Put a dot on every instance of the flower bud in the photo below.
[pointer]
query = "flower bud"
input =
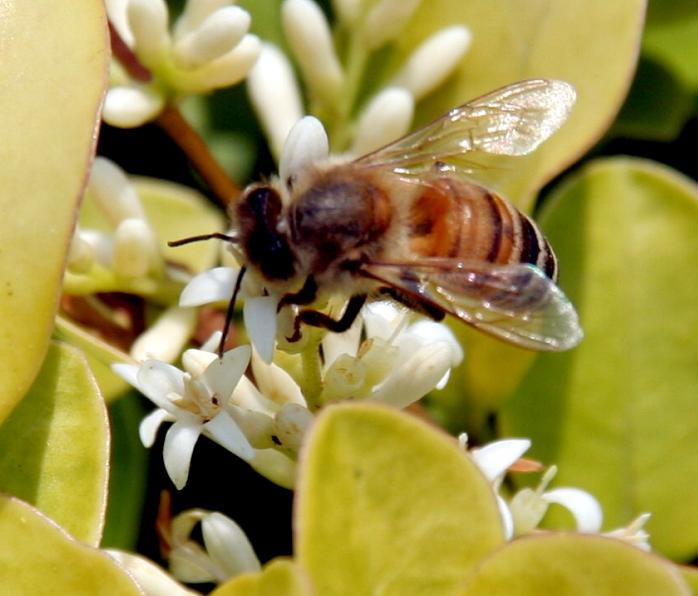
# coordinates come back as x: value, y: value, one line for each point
x: 218, y: 34
x: 135, y: 248
x: 196, y: 12
x: 387, y: 117
x: 165, y: 338
x: 309, y: 36
x: 228, y: 546
x: 291, y: 424
x: 386, y: 20
x: 80, y: 254
x: 113, y: 192
x: 434, y: 60
x: 306, y: 144
x: 275, y: 95
x: 129, y: 106
x: 148, y: 21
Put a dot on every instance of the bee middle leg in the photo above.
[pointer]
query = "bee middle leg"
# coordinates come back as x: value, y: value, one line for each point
x: 315, y: 318
x: 425, y: 308
x: 306, y: 295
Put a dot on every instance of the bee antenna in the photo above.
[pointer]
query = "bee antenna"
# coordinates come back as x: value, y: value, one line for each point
x: 230, y: 312
x: 217, y: 235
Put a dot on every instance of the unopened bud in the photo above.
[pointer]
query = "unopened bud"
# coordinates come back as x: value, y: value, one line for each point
x: 165, y: 338
x: 148, y: 21
x: 80, y: 254
x: 135, y: 248
x: 113, y: 192
x: 290, y: 426
x: 128, y: 106
x: 387, y: 117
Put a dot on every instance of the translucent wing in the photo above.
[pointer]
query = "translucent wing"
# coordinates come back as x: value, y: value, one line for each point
x: 511, y: 121
x: 516, y: 303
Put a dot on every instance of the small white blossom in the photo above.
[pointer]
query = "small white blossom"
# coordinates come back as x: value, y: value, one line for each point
x: 386, y: 117
x: 209, y: 48
x: 310, y: 39
x: 275, y: 95
x: 434, y: 61
x: 226, y: 551
x: 195, y: 403
x: 634, y: 533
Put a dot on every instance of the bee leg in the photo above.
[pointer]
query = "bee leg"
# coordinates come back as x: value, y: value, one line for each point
x: 305, y: 295
x: 316, y: 318
x: 433, y: 312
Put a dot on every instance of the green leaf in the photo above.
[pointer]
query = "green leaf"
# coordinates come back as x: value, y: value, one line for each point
x: 574, y: 565
x: 657, y: 107
x: 618, y: 414
x: 690, y: 576
x: 388, y: 504
x: 53, y: 72
x: 128, y: 472
x: 279, y: 577
x: 38, y: 557
x: 672, y: 39
x: 592, y: 45
x: 55, y: 446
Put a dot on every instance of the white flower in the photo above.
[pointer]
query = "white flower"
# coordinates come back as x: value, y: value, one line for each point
x: 226, y: 552
x: 209, y: 48
x: 195, y: 403
x: 634, y: 533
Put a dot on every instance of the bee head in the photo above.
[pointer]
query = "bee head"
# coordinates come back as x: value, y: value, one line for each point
x: 258, y: 215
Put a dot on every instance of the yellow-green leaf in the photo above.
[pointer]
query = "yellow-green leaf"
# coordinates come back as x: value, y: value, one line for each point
x: 592, y: 44
x: 39, y: 557
x: 618, y: 414
x: 690, y: 576
x: 53, y: 73
x: 55, y: 446
x: 388, y: 504
x: 672, y: 39
x: 279, y: 577
x: 574, y: 565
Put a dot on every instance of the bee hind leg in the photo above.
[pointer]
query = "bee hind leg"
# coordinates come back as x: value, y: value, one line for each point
x: 306, y: 295
x: 315, y: 318
x: 433, y: 312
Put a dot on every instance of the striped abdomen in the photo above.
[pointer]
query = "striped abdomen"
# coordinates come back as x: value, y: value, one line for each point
x: 458, y: 219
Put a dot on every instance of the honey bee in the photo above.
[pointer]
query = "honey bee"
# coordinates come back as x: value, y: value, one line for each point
x: 410, y: 222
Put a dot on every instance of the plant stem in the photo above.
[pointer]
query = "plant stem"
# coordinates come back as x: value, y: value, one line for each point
x: 197, y: 151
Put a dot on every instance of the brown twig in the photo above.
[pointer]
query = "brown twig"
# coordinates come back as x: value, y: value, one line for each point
x: 197, y: 151
x: 179, y: 130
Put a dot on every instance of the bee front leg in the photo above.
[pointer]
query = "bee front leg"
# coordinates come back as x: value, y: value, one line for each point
x: 305, y: 295
x: 316, y: 318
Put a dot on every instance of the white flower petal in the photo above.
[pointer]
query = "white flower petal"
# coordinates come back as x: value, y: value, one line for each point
x: 275, y: 95
x: 495, y: 458
x: 444, y: 380
x: 116, y: 11
x: 582, y: 505
x: 275, y: 383
x: 382, y: 319
x: 179, y: 446
x: 336, y: 344
x: 167, y: 336
x: 152, y: 579
x: 223, y: 374
x: 211, y: 344
x: 305, y: 145
x: 228, y: 546
x: 507, y: 518
x: 219, y: 33
x: 189, y: 563
x: 434, y: 60
x: 418, y: 375
x: 276, y: 466
x: 148, y: 428
x: 129, y: 106
x: 158, y: 379
x: 309, y: 36
x: 431, y: 331
x: 291, y: 425
x: 128, y: 372
x: 387, y: 117
x: 211, y: 285
x: 259, y: 316
x: 195, y: 362
x: 196, y: 12
x: 247, y: 397
x: 223, y: 430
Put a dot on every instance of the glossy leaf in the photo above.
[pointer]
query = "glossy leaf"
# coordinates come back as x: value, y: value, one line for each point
x: 592, y: 45
x: 672, y: 39
x: 618, y: 414
x: 574, y: 565
x: 55, y: 446
x: 690, y: 576
x: 39, y: 557
x: 53, y: 72
x: 387, y: 503
x: 280, y: 576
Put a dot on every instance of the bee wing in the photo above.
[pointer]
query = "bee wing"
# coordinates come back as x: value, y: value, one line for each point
x: 511, y: 121
x: 516, y: 303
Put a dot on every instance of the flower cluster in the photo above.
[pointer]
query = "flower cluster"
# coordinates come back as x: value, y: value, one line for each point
x: 525, y: 509
x: 209, y: 47
x: 334, y: 80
